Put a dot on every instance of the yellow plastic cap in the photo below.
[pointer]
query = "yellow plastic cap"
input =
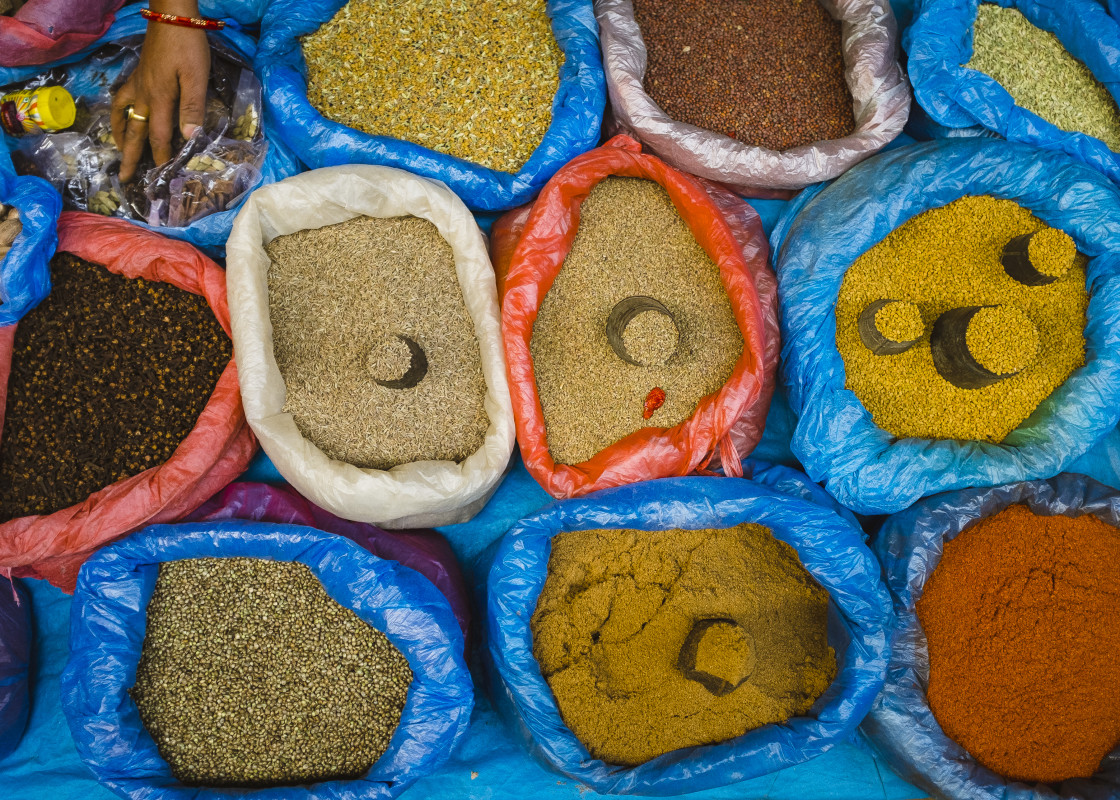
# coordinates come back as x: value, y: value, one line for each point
x: 55, y: 107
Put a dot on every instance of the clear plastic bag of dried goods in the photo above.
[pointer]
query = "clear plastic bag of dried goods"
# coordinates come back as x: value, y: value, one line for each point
x: 901, y: 724
x: 41, y: 31
x: 529, y: 246
x: 81, y: 162
x: 15, y: 664
x: 25, y: 277
x: 940, y: 41
x: 216, y: 451
x: 823, y: 232
x: 425, y: 551
x: 829, y: 544
x: 416, y: 494
x: 107, y: 635
x: 878, y: 85
x: 577, y: 108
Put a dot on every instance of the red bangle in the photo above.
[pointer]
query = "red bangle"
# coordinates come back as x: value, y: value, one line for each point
x: 182, y: 22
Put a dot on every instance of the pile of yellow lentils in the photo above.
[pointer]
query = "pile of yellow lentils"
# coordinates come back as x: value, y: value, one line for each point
x: 471, y: 78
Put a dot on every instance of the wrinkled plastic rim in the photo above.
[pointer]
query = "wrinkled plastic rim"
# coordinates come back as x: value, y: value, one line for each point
x: 116, y: 584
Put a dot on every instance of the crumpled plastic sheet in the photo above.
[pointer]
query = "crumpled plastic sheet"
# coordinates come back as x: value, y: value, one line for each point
x: 577, y: 109
x: 15, y: 664
x: 46, y: 30
x: 25, y: 276
x: 215, y: 452
x: 108, y: 620
x: 827, y: 228
x: 901, y: 725
x: 209, y: 233
x: 830, y: 546
x: 939, y: 42
x: 533, y: 246
x: 880, y: 91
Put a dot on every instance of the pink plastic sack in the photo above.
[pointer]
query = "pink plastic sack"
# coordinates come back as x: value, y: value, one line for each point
x: 53, y: 546
x: 47, y: 30
x: 425, y: 551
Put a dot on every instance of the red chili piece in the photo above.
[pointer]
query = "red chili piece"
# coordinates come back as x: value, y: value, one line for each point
x: 654, y: 401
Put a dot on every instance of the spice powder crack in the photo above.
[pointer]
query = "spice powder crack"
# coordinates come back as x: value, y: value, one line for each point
x: 252, y: 675
x: 631, y: 242
x: 340, y: 297
x: 108, y: 376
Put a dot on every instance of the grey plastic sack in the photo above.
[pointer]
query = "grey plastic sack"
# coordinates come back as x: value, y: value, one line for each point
x: 878, y: 83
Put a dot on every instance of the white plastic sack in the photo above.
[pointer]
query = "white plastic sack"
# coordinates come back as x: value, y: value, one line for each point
x: 879, y: 87
x: 422, y: 494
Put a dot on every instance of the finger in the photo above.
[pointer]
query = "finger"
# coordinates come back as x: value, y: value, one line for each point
x: 192, y: 102
x: 118, y: 112
x: 160, y: 126
x: 135, y: 135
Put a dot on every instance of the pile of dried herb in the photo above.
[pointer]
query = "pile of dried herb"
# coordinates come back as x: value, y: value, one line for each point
x: 109, y: 374
x: 1041, y: 75
x: 340, y: 300
x: 631, y: 242
x: 767, y: 72
x: 471, y: 78
x: 656, y: 640
x: 950, y: 258
x: 252, y: 675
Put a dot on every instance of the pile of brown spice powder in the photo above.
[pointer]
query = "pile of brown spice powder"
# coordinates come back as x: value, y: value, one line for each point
x: 631, y: 242
x: 656, y: 640
x: 339, y: 298
x: 1024, y: 649
x: 108, y: 376
x: 767, y: 72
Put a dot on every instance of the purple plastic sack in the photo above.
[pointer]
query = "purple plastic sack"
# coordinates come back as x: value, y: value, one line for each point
x: 47, y: 30
x: 15, y: 657
x: 425, y: 551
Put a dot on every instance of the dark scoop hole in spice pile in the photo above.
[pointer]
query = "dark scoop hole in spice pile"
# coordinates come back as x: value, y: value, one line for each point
x: 766, y: 72
x: 971, y: 349
x: 108, y: 376
x: 1041, y: 75
x: 474, y: 79
x: 372, y: 336
x: 652, y: 641
x: 1024, y: 651
x: 252, y: 675
x: 631, y: 245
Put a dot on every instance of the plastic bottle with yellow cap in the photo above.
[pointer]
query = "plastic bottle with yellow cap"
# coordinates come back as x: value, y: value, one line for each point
x: 48, y: 108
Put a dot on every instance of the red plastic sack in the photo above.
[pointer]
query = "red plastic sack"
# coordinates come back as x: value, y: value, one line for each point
x: 47, y: 30
x: 425, y: 551
x: 528, y: 248
x: 53, y: 546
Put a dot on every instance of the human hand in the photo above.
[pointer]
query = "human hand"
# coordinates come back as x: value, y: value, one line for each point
x: 173, y: 72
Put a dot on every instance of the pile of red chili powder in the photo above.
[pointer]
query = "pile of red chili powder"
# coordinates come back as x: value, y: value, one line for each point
x: 1024, y: 648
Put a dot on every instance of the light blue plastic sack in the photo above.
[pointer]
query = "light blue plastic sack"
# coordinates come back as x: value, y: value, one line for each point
x: 830, y: 546
x: 939, y: 41
x: 826, y: 229
x: 15, y: 664
x: 108, y: 620
x: 25, y: 275
x: 577, y: 109
x: 901, y: 725
x: 209, y: 233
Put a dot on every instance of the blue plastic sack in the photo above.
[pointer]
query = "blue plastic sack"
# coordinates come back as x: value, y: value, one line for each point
x: 830, y: 546
x: 939, y: 41
x: 577, y: 109
x: 108, y: 620
x: 25, y: 276
x: 826, y: 229
x: 901, y: 725
x: 15, y: 664
x: 209, y: 233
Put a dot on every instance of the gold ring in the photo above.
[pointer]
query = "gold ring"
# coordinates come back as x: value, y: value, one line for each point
x: 133, y: 115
